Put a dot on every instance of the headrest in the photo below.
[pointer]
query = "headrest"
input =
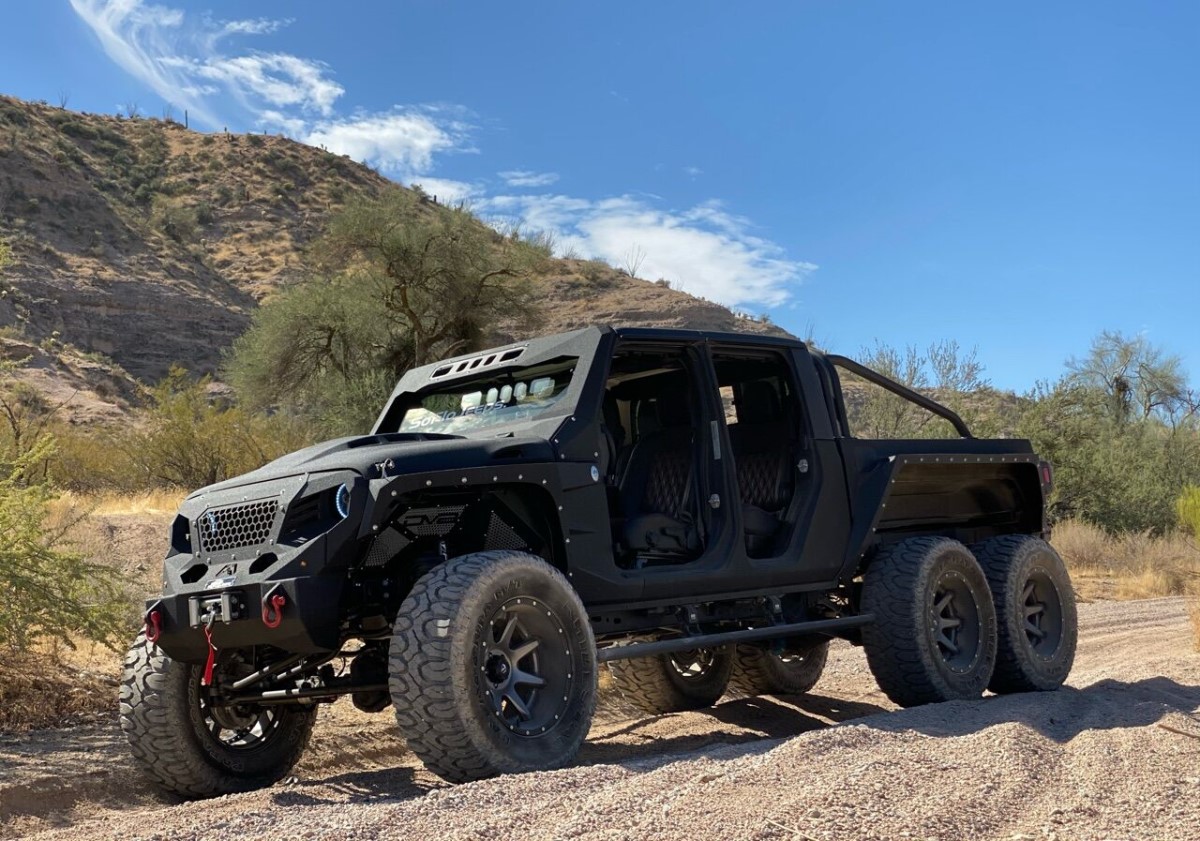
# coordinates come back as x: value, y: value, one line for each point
x: 758, y: 403
x: 612, y: 419
x: 672, y: 406
x: 647, y: 418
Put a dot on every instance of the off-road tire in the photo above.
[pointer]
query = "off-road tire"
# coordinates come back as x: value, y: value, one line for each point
x: 655, y: 685
x: 439, y: 665
x: 903, y: 587
x: 162, y: 721
x: 1025, y: 573
x: 759, y: 670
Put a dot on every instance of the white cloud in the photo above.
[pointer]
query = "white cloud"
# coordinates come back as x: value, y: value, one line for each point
x: 401, y: 142
x: 693, y: 171
x: 447, y: 190
x: 704, y: 250
x: 257, y: 26
x: 528, y: 178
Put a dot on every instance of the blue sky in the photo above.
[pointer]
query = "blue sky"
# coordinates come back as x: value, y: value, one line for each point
x: 1015, y: 176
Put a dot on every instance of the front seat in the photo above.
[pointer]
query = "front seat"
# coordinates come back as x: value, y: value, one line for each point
x: 656, y: 495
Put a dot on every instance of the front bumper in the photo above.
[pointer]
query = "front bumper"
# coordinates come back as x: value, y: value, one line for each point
x: 271, y: 584
x: 307, y: 621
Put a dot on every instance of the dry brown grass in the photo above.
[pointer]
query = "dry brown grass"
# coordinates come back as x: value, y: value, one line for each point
x: 1194, y: 615
x: 1132, y: 566
x: 154, y: 502
x: 46, y: 689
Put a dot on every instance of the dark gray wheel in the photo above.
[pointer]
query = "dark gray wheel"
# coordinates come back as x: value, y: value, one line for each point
x: 934, y: 634
x: 792, y: 670
x: 1035, y: 611
x: 189, y: 743
x: 667, y: 683
x: 493, y: 667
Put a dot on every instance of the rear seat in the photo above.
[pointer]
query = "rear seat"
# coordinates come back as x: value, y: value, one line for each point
x: 762, y: 450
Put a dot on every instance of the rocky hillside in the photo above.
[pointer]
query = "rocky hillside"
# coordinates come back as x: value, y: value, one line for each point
x: 144, y: 243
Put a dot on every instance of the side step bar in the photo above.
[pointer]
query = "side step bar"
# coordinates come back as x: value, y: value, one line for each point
x: 669, y: 646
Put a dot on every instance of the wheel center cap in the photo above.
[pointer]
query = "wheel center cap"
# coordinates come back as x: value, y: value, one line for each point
x: 497, y: 668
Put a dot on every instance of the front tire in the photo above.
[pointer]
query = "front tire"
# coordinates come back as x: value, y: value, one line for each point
x: 934, y: 634
x: 493, y: 667
x: 669, y: 683
x: 191, y: 747
x: 1035, y: 610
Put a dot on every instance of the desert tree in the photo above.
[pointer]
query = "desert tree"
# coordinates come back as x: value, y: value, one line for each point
x: 631, y: 262
x: 1139, y: 378
x: 397, y: 282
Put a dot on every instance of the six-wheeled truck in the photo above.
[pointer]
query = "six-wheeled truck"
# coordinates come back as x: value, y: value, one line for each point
x: 690, y: 509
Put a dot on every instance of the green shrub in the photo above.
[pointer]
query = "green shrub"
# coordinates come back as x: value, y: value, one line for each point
x: 47, y: 590
x: 1188, y: 509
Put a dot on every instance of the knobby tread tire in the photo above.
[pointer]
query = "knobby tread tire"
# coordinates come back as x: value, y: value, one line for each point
x: 651, y: 685
x: 901, y: 652
x: 155, y: 718
x: 430, y: 669
x: 758, y: 670
x: 1007, y: 561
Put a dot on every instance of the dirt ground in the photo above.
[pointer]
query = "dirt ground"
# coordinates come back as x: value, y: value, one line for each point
x: 1115, y: 755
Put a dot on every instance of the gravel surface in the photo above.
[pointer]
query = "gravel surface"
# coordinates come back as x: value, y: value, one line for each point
x: 1115, y: 755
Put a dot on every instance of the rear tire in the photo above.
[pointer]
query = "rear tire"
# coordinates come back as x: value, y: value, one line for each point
x: 669, y: 683
x: 759, y: 670
x: 1035, y: 610
x: 934, y: 634
x: 493, y: 667
x: 188, y: 747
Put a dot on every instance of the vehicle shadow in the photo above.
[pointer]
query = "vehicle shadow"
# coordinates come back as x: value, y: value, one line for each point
x: 390, y: 784
x: 1060, y: 715
x: 740, y: 722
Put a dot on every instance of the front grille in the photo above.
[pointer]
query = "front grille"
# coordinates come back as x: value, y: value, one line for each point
x: 236, y: 526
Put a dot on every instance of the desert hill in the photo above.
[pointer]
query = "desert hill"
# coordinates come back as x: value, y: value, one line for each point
x: 140, y: 242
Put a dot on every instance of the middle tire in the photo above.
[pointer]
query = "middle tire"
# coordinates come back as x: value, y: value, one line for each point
x: 493, y: 667
x: 934, y: 634
x: 669, y: 683
x: 760, y: 670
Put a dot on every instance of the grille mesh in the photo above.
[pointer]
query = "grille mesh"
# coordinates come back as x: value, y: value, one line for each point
x: 237, y: 525
x: 500, y: 535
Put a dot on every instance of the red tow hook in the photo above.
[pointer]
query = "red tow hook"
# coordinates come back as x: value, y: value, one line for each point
x: 153, y: 625
x: 272, y: 610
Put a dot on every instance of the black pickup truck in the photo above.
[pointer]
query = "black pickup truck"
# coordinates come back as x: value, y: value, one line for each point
x: 691, y: 509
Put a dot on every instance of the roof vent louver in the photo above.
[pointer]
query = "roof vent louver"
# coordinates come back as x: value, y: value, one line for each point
x: 475, y: 363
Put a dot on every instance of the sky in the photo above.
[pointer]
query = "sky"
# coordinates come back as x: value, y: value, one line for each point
x: 1015, y: 177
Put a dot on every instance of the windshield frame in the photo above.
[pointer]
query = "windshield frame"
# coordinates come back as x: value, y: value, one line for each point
x: 581, y: 345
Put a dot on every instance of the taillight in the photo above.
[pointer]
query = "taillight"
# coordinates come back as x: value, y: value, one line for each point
x: 1047, y: 475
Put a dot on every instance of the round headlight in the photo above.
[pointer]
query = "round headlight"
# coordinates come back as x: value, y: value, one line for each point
x: 342, y: 501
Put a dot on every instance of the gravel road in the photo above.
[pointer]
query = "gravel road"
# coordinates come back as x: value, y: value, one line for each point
x: 1115, y: 755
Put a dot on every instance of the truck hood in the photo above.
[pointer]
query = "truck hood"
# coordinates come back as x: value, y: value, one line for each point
x: 408, y: 452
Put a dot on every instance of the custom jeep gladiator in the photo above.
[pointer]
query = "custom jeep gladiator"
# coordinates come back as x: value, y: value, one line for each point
x: 691, y: 509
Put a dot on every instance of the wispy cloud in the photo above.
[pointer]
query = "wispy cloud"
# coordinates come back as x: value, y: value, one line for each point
x: 528, y: 178
x: 277, y: 80
x: 705, y: 250
x: 192, y: 62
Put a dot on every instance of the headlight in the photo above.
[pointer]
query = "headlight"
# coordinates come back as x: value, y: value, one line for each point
x: 342, y: 501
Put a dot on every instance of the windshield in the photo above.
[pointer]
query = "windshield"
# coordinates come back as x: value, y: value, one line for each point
x: 502, y: 397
